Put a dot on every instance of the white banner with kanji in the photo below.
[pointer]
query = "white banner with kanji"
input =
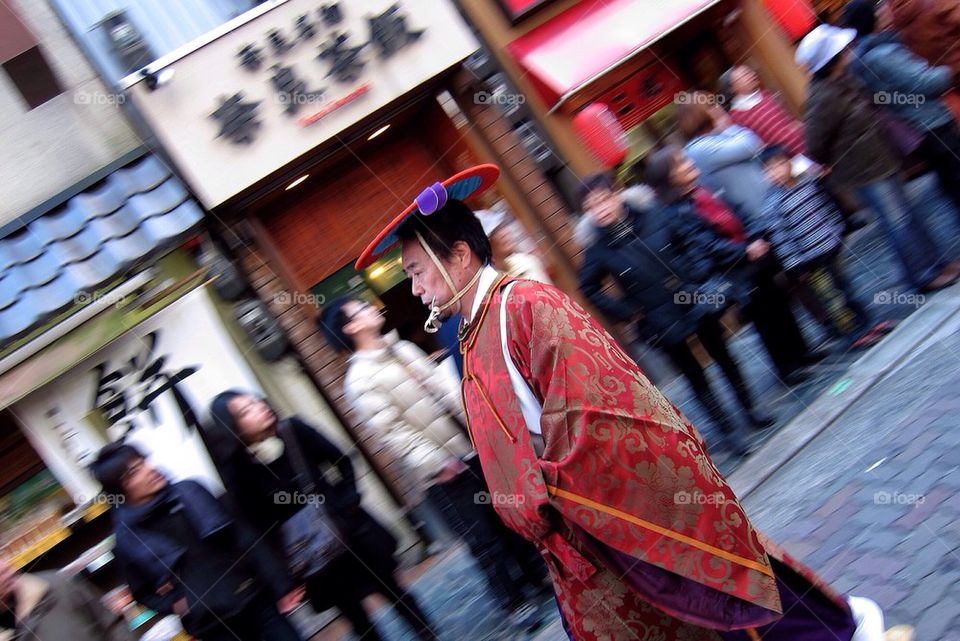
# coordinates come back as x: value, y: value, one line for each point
x: 150, y: 388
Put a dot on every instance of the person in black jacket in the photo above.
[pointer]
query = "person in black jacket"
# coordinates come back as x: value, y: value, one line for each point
x: 182, y: 553
x: 260, y: 474
x: 637, y: 250
x: 739, y: 248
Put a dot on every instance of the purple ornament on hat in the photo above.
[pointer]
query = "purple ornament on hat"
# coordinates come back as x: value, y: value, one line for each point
x: 431, y: 199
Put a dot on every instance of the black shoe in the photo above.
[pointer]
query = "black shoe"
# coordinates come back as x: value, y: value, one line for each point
x: 853, y: 223
x: 761, y: 420
x: 794, y: 378
x: 814, y: 357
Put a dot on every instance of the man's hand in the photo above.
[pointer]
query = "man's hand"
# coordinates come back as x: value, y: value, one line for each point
x: 291, y: 600
x: 757, y: 249
x: 451, y: 470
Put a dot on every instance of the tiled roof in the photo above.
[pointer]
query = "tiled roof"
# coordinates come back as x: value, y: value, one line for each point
x: 54, y: 262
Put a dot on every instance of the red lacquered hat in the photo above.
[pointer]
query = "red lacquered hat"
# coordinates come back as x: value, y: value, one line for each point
x: 468, y: 184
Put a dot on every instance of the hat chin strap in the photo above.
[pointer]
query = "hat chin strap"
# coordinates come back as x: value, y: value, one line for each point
x: 432, y: 324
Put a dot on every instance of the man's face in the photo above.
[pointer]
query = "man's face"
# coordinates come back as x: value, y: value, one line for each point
x: 604, y: 207
x: 778, y: 170
x: 141, y: 481
x: 744, y: 81
x: 426, y: 281
x: 843, y: 63
x: 255, y: 418
x: 362, y: 317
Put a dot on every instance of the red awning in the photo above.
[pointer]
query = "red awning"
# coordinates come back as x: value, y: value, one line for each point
x: 581, y: 44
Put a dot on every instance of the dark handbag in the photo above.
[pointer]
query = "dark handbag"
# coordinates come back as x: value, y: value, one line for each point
x: 311, y: 539
x: 904, y: 137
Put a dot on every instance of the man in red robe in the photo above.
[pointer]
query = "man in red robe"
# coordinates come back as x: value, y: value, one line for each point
x: 587, y: 459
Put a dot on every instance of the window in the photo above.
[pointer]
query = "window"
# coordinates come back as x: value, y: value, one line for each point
x: 33, y: 77
x: 123, y: 36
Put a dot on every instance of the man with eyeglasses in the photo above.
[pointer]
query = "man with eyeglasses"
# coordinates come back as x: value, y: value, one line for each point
x: 182, y: 553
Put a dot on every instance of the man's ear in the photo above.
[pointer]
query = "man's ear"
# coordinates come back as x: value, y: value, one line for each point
x: 461, y: 250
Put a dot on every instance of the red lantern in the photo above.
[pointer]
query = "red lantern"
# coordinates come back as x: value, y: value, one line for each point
x: 602, y: 134
x: 795, y: 17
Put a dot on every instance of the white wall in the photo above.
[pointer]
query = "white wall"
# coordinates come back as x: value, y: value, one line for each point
x: 47, y: 149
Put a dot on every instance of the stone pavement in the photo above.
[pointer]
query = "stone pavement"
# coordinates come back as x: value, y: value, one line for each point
x: 873, y: 502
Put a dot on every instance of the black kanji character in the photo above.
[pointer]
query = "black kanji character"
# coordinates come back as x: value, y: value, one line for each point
x: 389, y: 32
x: 291, y: 91
x: 110, y: 397
x: 238, y: 119
x: 146, y: 373
x: 345, y: 61
x: 251, y: 57
x: 305, y: 28
x: 331, y: 14
x: 279, y: 42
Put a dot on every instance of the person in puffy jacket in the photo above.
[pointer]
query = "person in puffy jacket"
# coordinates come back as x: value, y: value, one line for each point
x: 911, y: 89
x: 417, y: 414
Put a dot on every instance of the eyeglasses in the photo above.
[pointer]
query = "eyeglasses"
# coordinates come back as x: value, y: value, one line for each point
x: 361, y: 307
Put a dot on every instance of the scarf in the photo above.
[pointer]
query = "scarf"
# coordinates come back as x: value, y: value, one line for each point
x: 720, y: 217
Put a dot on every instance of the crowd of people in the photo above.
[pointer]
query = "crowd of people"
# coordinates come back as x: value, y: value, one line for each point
x: 753, y: 206
x: 748, y: 210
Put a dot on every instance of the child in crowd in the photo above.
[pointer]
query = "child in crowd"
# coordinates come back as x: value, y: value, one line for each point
x: 805, y: 229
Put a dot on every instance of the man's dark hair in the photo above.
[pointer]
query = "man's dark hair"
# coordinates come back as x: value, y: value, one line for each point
x: 451, y: 223
x: 112, y: 463
x: 331, y: 322
x: 827, y: 70
x: 774, y: 152
x: 860, y: 15
x: 592, y: 183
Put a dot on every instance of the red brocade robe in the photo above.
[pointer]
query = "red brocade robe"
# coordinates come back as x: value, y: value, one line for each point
x: 622, y: 474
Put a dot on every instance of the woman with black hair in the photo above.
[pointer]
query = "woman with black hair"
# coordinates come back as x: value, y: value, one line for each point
x: 259, y: 460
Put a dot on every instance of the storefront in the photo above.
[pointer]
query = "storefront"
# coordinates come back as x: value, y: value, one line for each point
x: 301, y: 144
x: 638, y: 58
x: 120, y: 321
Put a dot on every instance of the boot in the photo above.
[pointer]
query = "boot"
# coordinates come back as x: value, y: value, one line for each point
x: 760, y: 420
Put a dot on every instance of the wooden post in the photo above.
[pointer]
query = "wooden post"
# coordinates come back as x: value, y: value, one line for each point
x: 774, y: 53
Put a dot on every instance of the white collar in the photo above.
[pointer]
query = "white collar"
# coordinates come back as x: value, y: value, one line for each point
x: 487, y: 279
x: 746, y: 103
